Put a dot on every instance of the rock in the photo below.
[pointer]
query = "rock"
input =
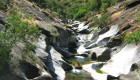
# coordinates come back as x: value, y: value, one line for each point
x: 93, y: 56
x: 82, y: 28
x: 64, y: 52
x: 127, y: 77
x: 2, y: 27
x: 35, y: 12
x: 21, y: 69
x: 2, y: 18
x: 92, y: 69
x: 41, y: 47
x: 121, y: 62
x: 57, y: 64
x: 114, y: 43
x: 72, y: 45
x: 66, y: 66
x: 106, y: 55
x: 57, y: 36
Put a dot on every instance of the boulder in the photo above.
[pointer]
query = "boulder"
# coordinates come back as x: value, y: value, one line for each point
x: 32, y: 10
x: 57, y: 65
x: 23, y: 69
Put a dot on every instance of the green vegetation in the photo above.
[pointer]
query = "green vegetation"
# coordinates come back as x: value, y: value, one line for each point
x: 75, y: 9
x: 83, y: 76
x: 17, y: 30
x: 103, y: 20
x: 54, y: 31
x: 4, y: 4
x: 138, y: 18
x: 133, y: 38
x: 101, y: 72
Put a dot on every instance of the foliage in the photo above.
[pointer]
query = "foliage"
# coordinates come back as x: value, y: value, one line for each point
x: 54, y: 31
x: 138, y: 18
x: 103, y: 20
x: 4, y: 3
x: 32, y: 56
x: 17, y: 30
x: 81, y: 13
x: 101, y: 72
x: 75, y: 9
x: 133, y: 38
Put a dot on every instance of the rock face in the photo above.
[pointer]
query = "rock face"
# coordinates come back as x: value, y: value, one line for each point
x: 49, y: 62
x: 18, y: 68
x: 127, y: 56
x: 119, y: 64
x: 32, y: 10
x: 57, y: 65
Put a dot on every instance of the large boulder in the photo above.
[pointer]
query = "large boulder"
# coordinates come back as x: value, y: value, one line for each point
x: 57, y: 65
x: 32, y: 10
x: 23, y: 67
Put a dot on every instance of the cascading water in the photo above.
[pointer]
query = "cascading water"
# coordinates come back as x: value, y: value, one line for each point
x: 120, y: 63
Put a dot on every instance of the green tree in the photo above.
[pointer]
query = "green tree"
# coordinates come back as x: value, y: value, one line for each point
x: 94, y: 5
x: 16, y: 31
x: 81, y: 13
x: 105, y: 4
x: 133, y: 38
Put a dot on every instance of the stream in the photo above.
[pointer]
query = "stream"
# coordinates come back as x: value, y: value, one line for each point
x: 99, y: 55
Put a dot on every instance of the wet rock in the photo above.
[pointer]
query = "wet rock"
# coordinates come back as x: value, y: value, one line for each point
x: 114, y: 43
x: 64, y: 52
x: 66, y: 66
x: 93, y: 56
x: 82, y: 28
x: 72, y: 45
x: 106, y: 55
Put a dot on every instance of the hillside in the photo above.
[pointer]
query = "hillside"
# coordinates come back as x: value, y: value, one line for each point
x: 69, y: 39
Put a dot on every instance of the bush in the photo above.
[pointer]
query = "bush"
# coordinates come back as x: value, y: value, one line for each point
x: 73, y: 8
x: 4, y: 4
x: 133, y: 38
x: 81, y: 13
x: 103, y: 20
x: 138, y: 18
x: 16, y: 31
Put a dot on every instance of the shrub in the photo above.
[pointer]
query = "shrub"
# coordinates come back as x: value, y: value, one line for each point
x: 133, y: 38
x: 4, y: 4
x: 138, y: 18
x: 81, y: 13
x: 16, y: 31
x: 103, y: 20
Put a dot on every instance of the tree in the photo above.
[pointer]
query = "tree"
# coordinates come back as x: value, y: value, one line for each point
x: 17, y: 30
